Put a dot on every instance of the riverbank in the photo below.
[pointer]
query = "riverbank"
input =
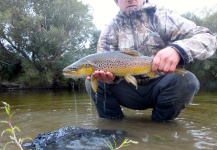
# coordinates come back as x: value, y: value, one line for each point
x: 7, y: 86
x: 210, y: 86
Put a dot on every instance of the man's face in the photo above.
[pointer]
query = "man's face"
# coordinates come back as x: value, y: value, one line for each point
x: 126, y: 5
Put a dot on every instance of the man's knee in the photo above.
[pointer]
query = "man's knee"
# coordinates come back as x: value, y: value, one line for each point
x: 182, y: 85
x: 193, y: 83
x: 190, y: 87
x: 176, y: 93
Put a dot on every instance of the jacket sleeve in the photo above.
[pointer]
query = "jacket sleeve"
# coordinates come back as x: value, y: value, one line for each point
x: 190, y: 40
x: 108, y: 40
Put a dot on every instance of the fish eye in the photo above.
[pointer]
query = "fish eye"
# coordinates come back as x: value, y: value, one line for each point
x: 73, y: 68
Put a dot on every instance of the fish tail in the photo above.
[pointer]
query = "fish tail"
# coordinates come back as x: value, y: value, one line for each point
x: 180, y: 71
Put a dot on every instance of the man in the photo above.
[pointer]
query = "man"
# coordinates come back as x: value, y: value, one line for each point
x: 172, y: 40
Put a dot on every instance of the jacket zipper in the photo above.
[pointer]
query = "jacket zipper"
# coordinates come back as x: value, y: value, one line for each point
x: 134, y: 35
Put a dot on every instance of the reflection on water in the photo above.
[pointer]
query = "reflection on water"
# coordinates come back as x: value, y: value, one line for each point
x: 42, y: 111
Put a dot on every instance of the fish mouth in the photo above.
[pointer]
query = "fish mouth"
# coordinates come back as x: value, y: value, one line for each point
x: 74, y: 76
x: 68, y: 75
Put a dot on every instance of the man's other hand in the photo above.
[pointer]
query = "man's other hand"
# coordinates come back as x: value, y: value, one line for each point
x: 166, y: 60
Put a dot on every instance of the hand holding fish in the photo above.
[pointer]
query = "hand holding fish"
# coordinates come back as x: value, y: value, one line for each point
x: 166, y: 60
x: 103, y: 76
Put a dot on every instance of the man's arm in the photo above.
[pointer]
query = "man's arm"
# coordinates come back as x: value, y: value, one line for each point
x: 190, y: 41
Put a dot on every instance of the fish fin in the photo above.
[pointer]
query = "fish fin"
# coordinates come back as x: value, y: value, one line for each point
x: 181, y: 71
x: 94, y: 83
x: 131, y: 79
x: 130, y: 52
x: 150, y: 74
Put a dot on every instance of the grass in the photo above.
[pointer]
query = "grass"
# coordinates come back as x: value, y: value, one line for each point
x: 125, y: 143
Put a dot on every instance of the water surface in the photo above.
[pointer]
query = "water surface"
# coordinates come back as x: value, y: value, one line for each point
x: 42, y: 111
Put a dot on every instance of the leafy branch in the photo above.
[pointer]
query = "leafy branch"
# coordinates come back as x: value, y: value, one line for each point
x: 125, y: 143
x: 12, y: 130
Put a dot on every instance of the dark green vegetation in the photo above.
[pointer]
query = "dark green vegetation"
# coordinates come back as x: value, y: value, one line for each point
x: 38, y: 38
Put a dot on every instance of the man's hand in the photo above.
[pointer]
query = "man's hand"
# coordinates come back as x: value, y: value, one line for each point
x: 103, y: 76
x: 166, y: 60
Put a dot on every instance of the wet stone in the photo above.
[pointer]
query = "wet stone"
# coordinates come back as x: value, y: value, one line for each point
x: 76, y: 138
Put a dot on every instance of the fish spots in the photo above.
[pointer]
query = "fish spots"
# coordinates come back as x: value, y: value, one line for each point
x: 115, y: 62
x: 87, y: 65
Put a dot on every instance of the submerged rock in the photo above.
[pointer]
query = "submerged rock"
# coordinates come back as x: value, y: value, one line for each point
x: 75, y: 138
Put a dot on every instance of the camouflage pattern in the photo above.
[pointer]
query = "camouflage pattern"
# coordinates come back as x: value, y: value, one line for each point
x: 148, y: 30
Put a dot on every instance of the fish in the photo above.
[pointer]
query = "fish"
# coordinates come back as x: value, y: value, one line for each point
x: 125, y: 63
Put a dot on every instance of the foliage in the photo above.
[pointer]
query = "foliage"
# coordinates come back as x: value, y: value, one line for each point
x: 11, y: 130
x: 193, y: 17
x: 125, y: 143
x: 45, y: 35
x: 211, y: 22
x: 10, y: 67
x: 206, y: 17
x: 5, y: 70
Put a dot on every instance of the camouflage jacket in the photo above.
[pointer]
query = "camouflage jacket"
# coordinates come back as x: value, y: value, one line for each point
x: 148, y: 30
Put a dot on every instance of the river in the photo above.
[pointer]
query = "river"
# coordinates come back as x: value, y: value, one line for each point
x: 42, y: 111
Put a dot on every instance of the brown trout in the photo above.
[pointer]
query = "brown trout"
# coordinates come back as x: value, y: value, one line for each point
x: 126, y: 63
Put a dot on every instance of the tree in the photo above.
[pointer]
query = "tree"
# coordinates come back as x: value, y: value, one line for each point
x: 45, y: 35
x: 193, y: 17
x: 211, y: 22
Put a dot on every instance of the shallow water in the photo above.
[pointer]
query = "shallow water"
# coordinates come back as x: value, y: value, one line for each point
x: 42, y: 111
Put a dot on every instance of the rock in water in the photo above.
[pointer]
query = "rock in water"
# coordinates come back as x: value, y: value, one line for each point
x: 75, y: 138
